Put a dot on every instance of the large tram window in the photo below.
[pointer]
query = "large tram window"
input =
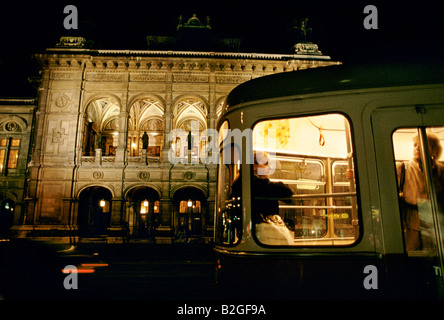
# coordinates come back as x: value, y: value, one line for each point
x: 421, y: 201
x: 313, y: 157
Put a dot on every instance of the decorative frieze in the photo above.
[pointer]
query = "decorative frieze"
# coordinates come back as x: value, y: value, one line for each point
x: 192, y: 78
x: 148, y: 77
x: 105, y: 76
x: 232, y: 79
x: 65, y: 75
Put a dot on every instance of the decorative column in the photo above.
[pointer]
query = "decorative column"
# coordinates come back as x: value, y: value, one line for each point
x: 121, y: 145
x: 116, y: 212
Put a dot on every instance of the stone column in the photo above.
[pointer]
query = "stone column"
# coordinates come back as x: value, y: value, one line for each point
x: 116, y: 213
x: 144, y: 159
x: 121, y: 145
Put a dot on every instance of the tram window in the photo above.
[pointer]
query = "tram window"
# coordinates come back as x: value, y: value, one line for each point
x: 229, y: 204
x: 421, y: 202
x: 311, y: 156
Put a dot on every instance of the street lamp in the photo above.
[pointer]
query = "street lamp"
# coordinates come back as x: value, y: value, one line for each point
x: 102, y: 203
x: 190, y: 203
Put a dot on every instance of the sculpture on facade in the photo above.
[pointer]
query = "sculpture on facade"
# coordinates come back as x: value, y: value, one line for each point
x: 145, y: 140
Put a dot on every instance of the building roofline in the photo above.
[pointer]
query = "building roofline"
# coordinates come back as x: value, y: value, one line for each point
x: 201, y: 54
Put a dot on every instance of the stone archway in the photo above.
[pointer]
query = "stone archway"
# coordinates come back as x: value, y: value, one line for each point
x: 100, y: 127
x: 189, y: 209
x: 94, y: 213
x: 7, y: 206
x: 143, y: 212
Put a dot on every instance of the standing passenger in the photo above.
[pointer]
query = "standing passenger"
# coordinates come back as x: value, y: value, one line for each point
x: 414, y: 191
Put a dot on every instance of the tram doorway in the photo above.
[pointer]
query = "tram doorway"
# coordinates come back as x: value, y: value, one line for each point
x: 413, y: 143
x: 189, y: 207
x: 94, y: 211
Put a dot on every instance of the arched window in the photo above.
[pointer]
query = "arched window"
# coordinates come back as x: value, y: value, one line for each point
x: 145, y: 115
x: 101, y: 127
x: 191, y: 116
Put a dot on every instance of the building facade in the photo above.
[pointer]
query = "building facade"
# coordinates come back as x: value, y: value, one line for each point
x: 16, y: 127
x: 99, y: 165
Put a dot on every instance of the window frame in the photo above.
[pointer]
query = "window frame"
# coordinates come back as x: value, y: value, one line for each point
x: 219, y: 229
x: 358, y: 224
x: 429, y: 184
x: 8, y: 149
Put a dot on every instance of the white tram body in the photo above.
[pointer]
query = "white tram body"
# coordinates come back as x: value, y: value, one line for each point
x: 335, y: 137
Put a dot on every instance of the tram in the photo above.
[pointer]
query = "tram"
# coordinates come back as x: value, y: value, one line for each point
x: 310, y: 201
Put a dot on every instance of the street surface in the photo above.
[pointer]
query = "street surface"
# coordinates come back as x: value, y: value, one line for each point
x: 142, y: 271
x: 145, y: 271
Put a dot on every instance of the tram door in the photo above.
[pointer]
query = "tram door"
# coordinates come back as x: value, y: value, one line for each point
x: 410, y: 162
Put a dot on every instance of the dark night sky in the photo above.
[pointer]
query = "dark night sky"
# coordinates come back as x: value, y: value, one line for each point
x: 405, y: 29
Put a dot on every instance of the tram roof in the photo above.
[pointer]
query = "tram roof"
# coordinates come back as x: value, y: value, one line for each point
x: 337, y: 78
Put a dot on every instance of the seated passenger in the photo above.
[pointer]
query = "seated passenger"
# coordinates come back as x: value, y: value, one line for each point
x: 262, y: 187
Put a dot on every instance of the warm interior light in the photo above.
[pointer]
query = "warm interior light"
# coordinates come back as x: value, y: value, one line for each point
x: 190, y: 203
x: 144, y: 207
x: 102, y: 203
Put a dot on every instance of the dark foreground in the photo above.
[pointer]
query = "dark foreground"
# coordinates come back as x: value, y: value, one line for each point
x: 31, y: 270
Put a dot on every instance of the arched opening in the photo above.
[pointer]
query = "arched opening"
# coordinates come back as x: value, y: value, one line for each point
x: 145, y: 115
x: 189, y: 208
x: 101, y: 127
x: 6, y: 216
x: 191, y: 117
x: 94, y: 211
x: 144, y: 211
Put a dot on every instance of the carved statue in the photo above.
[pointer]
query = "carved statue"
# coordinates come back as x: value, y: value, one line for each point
x: 303, y: 29
x: 145, y: 140
x: 190, y: 140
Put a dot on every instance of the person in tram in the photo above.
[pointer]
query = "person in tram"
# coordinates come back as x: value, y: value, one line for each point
x: 413, y: 192
x: 262, y: 187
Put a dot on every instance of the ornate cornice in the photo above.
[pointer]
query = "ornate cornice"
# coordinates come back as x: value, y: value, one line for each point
x: 153, y: 67
x: 191, y: 54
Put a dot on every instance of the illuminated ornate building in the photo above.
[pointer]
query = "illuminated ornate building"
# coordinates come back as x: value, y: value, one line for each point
x: 92, y: 173
x: 16, y: 126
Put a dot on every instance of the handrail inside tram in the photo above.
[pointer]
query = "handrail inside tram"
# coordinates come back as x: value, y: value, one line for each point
x: 317, y: 195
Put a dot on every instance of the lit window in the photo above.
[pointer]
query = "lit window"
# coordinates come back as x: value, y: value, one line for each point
x: 303, y: 191
x: 9, y: 153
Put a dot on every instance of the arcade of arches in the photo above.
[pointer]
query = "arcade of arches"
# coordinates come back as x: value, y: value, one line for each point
x: 146, y: 115
x: 142, y: 213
